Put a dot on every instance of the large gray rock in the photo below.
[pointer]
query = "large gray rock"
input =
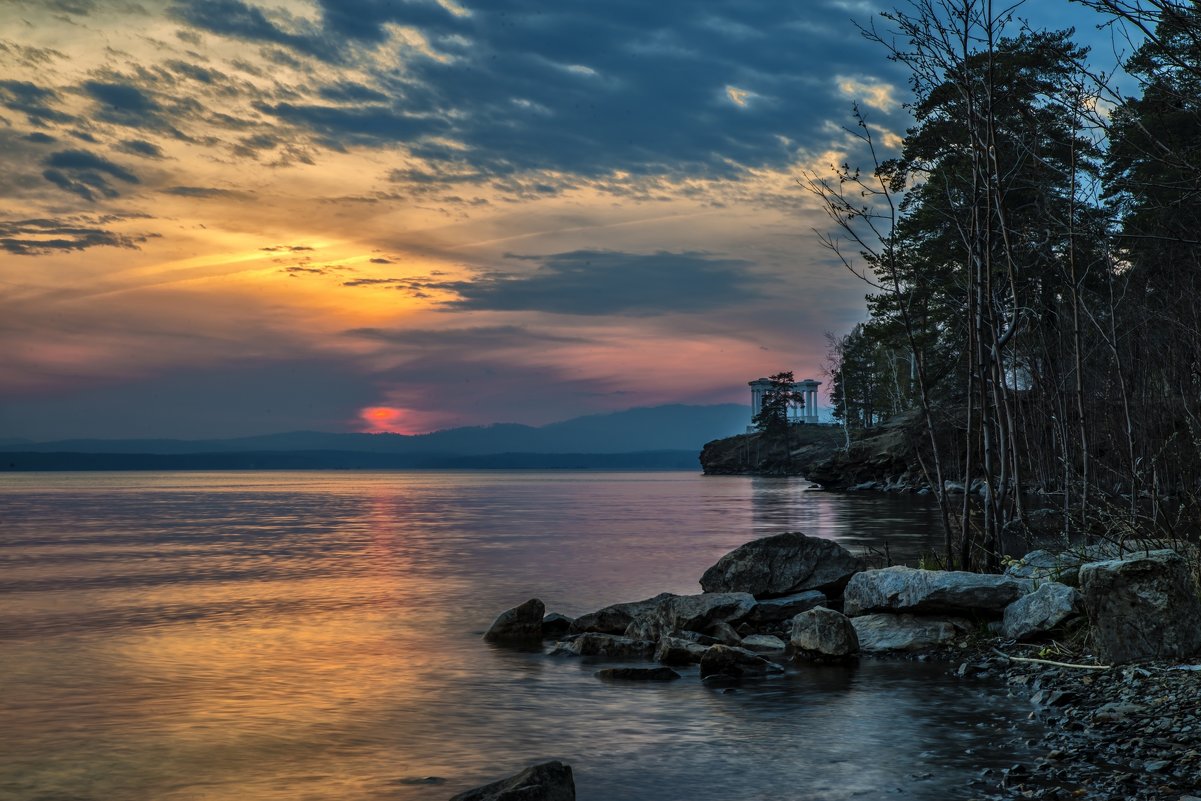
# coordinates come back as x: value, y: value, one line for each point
x: 884, y: 632
x: 549, y: 781
x: 822, y: 633
x: 906, y: 589
x: 764, y: 644
x: 617, y: 618
x: 699, y: 612
x: 521, y: 624
x: 786, y: 607
x: 1040, y: 612
x: 725, y: 660
x: 781, y: 565
x: 1143, y: 607
x: 609, y: 646
x: 555, y: 625
x: 679, y: 651
x: 1064, y: 566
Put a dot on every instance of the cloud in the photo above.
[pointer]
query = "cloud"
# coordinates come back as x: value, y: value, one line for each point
x: 140, y: 147
x: 82, y: 173
x: 202, y: 192
x: 601, y: 282
x: 38, y: 237
x: 33, y: 101
x: 469, y: 340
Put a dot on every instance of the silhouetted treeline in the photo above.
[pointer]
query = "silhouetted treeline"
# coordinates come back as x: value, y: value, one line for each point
x: 1035, y: 257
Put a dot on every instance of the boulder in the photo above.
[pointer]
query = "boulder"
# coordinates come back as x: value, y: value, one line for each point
x: 609, y: 646
x: 764, y: 644
x: 725, y: 660
x: 679, y: 651
x: 786, y: 607
x: 549, y: 781
x: 702, y: 612
x: 782, y: 565
x: 637, y: 674
x: 521, y: 624
x: 906, y: 589
x: 1143, y: 607
x: 555, y: 626
x: 1064, y: 566
x: 617, y: 618
x: 884, y: 632
x: 1040, y: 612
x: 822, y: 633
x: 725, y: 634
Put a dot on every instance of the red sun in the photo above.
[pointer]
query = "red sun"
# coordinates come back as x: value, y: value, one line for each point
x: 382, y: 418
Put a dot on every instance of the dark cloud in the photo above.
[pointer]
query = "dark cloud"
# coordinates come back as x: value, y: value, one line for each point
x: 140, y: 147
x: 40, y: 138
x: 202, y: 191
x: 41, y: 236
x: 684, y: 88
x: 79, y: 8
x: 381, y: 261
x: 286, y: 248
x: 34, y: 101
x: 83, y: 173
x: 601, y: 282
x: 376, y: 281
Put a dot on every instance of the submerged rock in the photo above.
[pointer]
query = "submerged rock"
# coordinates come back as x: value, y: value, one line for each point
x: 781, y: 565
x: 906, y: 589
x: 521, y: 624
x: 725, y: 660
x: 637, y: 674
x: 822, y: 633
x: 610, y: 646
x: 549, y: 781
x: 885, y: 632
x: 615, y: 619
x: 1143, y: 607
x: 1040, y: 612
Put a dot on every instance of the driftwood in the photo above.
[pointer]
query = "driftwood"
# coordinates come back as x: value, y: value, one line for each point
x: 1050, y: 662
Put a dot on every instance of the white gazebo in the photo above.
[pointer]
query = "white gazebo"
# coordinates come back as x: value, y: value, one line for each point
x: 804, y: 412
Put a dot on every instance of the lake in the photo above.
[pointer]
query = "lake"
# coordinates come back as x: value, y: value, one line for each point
x: 316, y: 635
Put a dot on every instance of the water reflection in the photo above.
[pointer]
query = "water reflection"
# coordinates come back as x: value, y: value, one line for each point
x: 315, y: 635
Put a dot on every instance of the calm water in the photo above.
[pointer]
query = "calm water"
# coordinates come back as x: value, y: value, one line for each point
x: 315, y: 636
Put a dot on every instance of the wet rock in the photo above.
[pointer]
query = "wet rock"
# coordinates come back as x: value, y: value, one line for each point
x: 786, y: 607
x: 679, y: 651
x: 609, y: 646
x: 555, y: 626
x: 725, y: 634
x: 823, y: 633
x: 637, y: 674
x: 906, y: 589
x: 549, y: 781
x: 1143, y: 607
x: 521, y: 624
x: 764, y: 644
x: 615, y: 619
x: 885, y: 632
x: 702, y: 612
x: 1041, y: 612
x: 782, y: 565
x: 725, y: 660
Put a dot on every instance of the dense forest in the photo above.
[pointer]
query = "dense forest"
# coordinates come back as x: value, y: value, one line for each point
x: 1034, y: 256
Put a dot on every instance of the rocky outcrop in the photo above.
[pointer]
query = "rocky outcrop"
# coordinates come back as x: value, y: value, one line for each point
x: 782, y: 565
x: 823, y: 633
x: 1142, y: 607
x: 786, y: 607
x: 549, y: 781
x: 617, y: 618
x: 906, y: 589
x: 1041, y: 612
x: 793, y: 454
x: 637, y: 674
x: 609, y: 646
x: 884, y: 632
x: 724, y: 660
x: 1064, y: 566
x: 521, y: 624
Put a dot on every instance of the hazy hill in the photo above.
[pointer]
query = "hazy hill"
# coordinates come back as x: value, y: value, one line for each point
x: 658, y: 428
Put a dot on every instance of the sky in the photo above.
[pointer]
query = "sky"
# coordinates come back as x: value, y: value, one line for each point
x: 233, y: 217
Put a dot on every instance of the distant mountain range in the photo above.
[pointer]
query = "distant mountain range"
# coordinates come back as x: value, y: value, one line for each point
x: 658, y: 436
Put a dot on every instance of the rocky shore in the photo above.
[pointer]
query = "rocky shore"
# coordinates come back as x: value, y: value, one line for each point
x: 1105, y: 642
